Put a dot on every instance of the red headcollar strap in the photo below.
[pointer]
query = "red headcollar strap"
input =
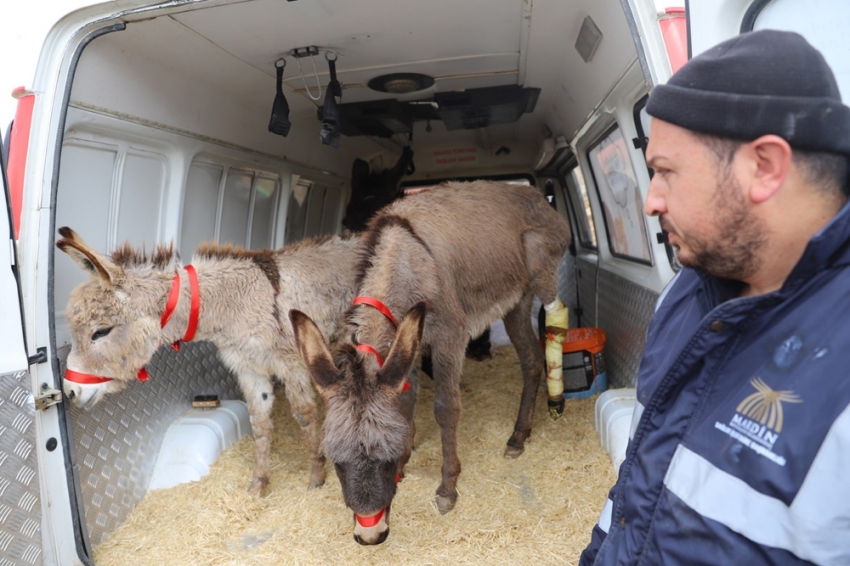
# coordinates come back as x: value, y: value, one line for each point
x: 170, y: 306
x: 194, y: 307
x: 372, y: 302
x: 373, y: 520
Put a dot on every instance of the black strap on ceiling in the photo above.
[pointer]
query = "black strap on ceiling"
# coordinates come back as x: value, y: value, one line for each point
x: 331, y: 110
x: 279, y: 122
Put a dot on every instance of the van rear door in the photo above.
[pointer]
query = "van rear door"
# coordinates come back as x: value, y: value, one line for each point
x: 13, y: 357
x: 20, y: 533
x: 824, y: 24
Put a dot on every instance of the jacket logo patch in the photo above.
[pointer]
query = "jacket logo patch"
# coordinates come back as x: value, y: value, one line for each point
x: 758, y: 419
x: 765, y: 405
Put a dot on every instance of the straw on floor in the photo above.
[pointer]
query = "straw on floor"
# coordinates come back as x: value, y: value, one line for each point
x: 537, y: 509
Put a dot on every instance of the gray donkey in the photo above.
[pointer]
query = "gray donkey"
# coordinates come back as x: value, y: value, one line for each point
x: 229, y: 296
x: 449, y: 262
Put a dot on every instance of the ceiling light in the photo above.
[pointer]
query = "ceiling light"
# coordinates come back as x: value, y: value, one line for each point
x: 401, y: 83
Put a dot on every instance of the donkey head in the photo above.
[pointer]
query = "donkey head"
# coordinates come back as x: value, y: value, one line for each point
x: 370, y: 192
x: 112, y: 319
x: 365, y: 431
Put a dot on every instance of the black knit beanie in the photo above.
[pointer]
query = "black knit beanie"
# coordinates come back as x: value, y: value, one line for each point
x: 762, y: 82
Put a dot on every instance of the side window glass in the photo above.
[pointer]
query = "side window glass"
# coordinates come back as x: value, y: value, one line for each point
x: 584, y: 216
x: 296, y: 215
x: 618, y: 191
x: 226, y: 204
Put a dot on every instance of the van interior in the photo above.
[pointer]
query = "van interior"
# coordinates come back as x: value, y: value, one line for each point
x: 168, y: 135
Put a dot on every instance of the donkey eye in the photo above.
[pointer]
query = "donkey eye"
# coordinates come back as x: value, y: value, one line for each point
x: 98, y: 334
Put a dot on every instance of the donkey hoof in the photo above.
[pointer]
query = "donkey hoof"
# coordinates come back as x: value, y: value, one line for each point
x: 513, y: 452
x: 257, y: 486
x: 445, y: 503
x: 316, y: 483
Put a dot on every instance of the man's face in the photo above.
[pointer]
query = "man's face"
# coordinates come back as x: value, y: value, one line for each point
x: 701, y: 203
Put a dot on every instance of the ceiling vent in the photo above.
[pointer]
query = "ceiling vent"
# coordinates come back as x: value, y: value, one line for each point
x: 588, y: 39
x: 381, y: 118
x: 401, y: 83
x: 468, y: 109
x: 482, y: 107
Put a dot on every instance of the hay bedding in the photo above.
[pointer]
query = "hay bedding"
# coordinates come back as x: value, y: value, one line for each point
x: 537, y: 509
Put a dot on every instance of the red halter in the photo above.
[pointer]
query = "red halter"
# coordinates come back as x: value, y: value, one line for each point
x: 170, y: 306
x: 373, y: 520
x: 384, y: 310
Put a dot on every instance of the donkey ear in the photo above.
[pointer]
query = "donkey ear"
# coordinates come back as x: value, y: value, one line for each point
x: 314, y: 350
x: 405, y: 348
x: 98, y: 265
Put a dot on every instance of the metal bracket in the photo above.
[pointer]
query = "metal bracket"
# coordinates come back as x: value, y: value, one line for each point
x: 40, y: 356
x: 48, y: 398
x: 308, y: 51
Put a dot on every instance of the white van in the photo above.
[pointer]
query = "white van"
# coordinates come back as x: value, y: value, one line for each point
x: 148, y: 121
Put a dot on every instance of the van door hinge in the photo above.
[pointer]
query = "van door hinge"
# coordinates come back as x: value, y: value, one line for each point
x: 40, y: 356
x: 48, y: 398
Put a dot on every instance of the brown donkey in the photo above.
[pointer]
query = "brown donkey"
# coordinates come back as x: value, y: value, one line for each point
x: 228, y: 296
x: 466, y: 254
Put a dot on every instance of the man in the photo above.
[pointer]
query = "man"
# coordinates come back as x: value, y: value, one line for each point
x: 741, y: 449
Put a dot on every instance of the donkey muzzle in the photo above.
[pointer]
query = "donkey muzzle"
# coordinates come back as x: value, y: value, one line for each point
x: 373, y: 529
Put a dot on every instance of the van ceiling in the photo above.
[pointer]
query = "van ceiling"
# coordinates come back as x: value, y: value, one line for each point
x: 462, y: 45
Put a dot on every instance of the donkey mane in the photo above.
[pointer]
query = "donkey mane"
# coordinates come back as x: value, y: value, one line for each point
x: 264, y: 259
x: 160, y: 257
x: 372, y: 238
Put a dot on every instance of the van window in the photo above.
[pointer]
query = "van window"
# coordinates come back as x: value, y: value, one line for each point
x: 264, y: 212
x: 313, y: 210
x: 142, y: 184
x: 618, y: 191
x: 246, y: 215
x: 584, y: 216
x: 200, y: 206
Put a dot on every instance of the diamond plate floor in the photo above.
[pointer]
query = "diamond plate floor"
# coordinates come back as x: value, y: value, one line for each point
x: 20, y: 510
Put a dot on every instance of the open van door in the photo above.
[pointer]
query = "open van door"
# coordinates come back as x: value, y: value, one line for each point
x: 20, y: 513
x: 824, y: 24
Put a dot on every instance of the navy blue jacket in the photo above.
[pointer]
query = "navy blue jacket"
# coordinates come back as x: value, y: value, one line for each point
x: 741, y: 454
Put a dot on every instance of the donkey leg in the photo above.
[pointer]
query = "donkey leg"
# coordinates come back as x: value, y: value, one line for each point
x: 448, y: 365
x: 258, y: 393
x: 302, y: 402
x: 408, y: 404
x: 518, y: 326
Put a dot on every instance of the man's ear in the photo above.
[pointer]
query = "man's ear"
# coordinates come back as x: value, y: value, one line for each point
x: 97, y: 265
x: 314, y: 351
x: 771, y: 163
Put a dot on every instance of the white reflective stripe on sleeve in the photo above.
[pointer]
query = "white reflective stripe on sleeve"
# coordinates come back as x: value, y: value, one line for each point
x: 813, y: 528
x: 635, y: 419
x: 824, y: 498
x: 605, y: 516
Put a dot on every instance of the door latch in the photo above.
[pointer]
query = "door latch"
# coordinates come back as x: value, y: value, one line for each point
x: 47, y: 398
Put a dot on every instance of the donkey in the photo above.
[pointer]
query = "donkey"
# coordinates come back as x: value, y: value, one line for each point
x: 448, y: 262
x: 372, y: 191
x: 231, y: 297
